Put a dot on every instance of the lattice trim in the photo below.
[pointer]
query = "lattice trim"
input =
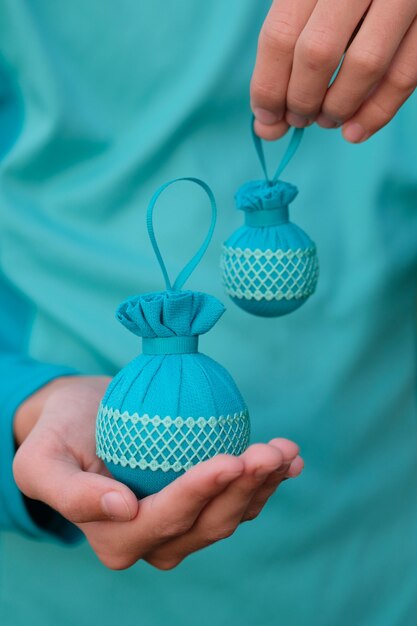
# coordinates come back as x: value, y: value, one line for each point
x: 269, y: 274
x: 167, y: 443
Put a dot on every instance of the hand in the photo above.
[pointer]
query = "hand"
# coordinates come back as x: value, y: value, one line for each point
x: 56, y: 463
x: 300, y: 47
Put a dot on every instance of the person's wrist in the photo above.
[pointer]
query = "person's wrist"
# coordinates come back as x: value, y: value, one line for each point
x: 29, y: 411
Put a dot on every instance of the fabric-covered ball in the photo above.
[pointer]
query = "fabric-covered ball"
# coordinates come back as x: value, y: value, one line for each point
x: 269, y: 265
x: 171, y: 407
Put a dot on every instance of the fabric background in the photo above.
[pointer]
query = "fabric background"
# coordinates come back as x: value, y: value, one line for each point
x: 118, y: 99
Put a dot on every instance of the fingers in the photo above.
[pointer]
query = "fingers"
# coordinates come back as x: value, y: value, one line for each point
x: 174, y: 510
x: 196, y: 509
x: 292, y: 460
x: 295, y: 468
x: 165, y: 515
x: 300, y: 47
x: 317, y: 54
x: 277, y: 40
x: 269, y: 487
x: 271, y: 132
x: 291, y: 467
x: 263, y: 494
x: 368, y: 59
x: 224, y: 513
x: 288, y: 448
x: 395, y: 88
x: 60, y: 482
x: 49, y: 464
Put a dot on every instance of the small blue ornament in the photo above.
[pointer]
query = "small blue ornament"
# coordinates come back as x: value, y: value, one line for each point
x: 172, y: 406
x: 269, y: 265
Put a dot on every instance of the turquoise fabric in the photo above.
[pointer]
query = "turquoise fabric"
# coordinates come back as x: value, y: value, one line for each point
x: 20, y: 376
x: 261, y: 196
x: 166, y: 314
x: 285, y: 236
x: 11, y: 110
x: 170, y: 345
x: 269, y: 285
x: 171, y: 407
x: 148, y: 456
x: 170, y: 384
x: 269, y: 265
x: 119, y: 97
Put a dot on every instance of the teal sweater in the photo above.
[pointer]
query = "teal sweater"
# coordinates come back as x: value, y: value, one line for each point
x: 99, y: 104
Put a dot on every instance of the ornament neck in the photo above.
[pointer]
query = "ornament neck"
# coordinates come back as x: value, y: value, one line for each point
x: 170, y: 345
x: 270, y: 217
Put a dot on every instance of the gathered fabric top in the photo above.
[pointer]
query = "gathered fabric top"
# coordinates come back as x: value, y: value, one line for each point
x: 170, y: 313
x: 261, y: 195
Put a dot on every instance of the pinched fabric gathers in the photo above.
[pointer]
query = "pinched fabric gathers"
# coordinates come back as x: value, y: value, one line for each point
x: 269, y: 274
x: 167, y: 443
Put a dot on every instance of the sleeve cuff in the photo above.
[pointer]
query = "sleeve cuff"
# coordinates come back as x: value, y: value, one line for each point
x: 20, y: 377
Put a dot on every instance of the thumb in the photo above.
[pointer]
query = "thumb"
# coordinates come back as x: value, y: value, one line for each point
x: 78, y: 495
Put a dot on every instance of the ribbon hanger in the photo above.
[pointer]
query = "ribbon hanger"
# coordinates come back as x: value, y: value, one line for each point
x: 195, y: 260
x: 292, y: 148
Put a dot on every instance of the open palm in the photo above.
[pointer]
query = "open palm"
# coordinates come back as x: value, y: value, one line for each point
x: 57, y: 464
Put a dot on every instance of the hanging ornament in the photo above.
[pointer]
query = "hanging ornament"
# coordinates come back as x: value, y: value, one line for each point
x: 172, y: 406
x: 269, y: 265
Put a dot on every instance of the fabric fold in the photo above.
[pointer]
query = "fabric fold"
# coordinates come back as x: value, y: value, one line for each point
x: 170, y: 314
x: 261, y: 195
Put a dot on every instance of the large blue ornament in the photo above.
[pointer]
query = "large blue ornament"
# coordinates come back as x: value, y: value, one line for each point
x: 269, y: 265
x: 172, y: 406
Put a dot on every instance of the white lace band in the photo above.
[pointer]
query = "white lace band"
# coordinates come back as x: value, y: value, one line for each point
x: 167, y: 443
x: 269, y: 274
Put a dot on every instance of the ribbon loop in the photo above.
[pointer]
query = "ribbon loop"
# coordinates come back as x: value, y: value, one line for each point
x: 195, y: 260
x: 288, y: 155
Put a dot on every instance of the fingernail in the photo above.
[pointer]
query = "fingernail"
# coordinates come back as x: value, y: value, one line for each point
x: 326, y: 122
x: 115, y: 507
x: 354, y: 132
x: 295, y: 468
x: 227, y: 477
x: 298, y: 121
x: 266, y: 117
